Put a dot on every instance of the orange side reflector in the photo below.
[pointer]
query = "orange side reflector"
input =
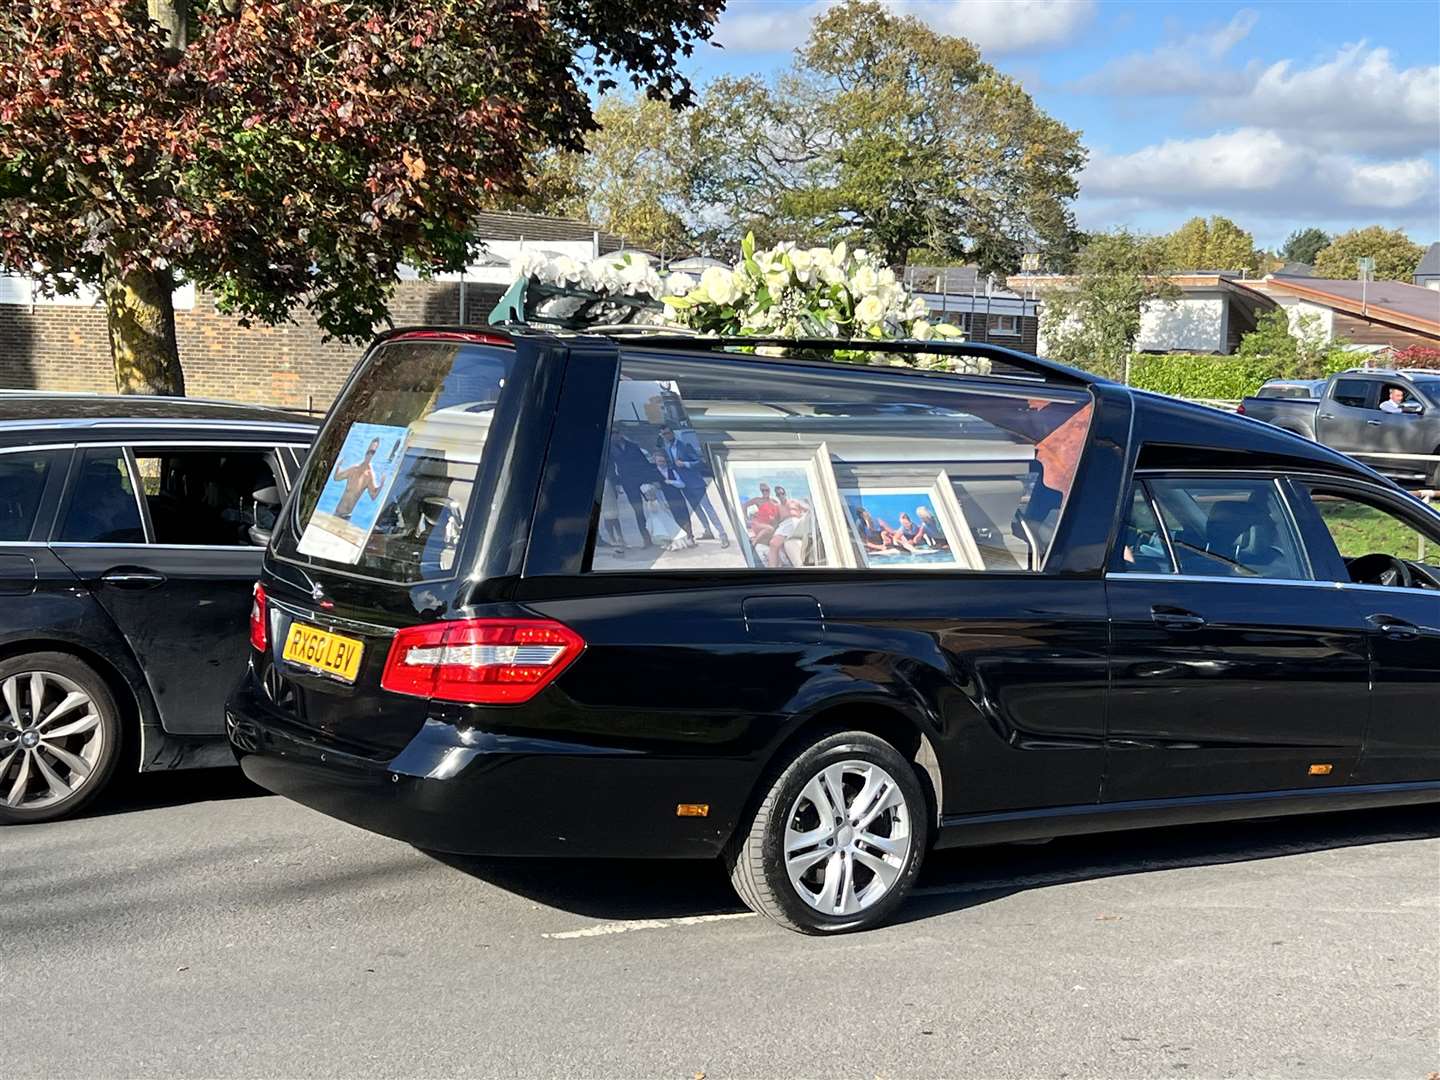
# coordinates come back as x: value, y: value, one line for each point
x: 692, y: 809
x: 1321, y: 770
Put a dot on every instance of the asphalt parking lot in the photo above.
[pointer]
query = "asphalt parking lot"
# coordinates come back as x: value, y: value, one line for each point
x: 198, y: 928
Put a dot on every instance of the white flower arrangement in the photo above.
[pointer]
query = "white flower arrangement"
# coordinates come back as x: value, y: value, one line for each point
x: 790, y: 291
x: 786, y: 291
x: 622, y: 273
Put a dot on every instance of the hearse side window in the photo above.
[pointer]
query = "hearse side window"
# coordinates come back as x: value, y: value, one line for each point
x: 1354, y: 393
x: 206, y: 497
x: 729, y: 464
x: 22, y: 485
x: 1221, y: 527
x: 387, y: 487
x: 102, y: 507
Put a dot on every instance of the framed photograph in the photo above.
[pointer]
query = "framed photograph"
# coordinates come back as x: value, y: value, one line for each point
x: 660, y: 508
x: 910, y: 526
x: 786, y: 506
x: 354, y: 492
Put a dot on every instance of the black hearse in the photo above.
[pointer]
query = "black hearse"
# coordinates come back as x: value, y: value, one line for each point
x: 131, y: 531
x: 565, y: 594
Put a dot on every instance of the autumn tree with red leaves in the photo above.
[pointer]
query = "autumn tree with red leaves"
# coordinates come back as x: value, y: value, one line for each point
x: 290, y: 152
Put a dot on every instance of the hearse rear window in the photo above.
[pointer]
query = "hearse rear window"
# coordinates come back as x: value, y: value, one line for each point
x: 387, y: 488
x: 734, y: 465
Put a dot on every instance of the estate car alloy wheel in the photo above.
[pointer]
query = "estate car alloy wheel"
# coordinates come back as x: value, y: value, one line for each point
x: 59, y: 736
x: 838, y: 839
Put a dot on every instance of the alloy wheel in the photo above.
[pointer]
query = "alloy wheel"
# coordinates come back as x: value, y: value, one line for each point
x: 51, y: 740
x: 847, y: 837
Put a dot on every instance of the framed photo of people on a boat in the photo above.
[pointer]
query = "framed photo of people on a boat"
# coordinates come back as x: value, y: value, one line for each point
x: 916, y: 525
x: 785, y: 505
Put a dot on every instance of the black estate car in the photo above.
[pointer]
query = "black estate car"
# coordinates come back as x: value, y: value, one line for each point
x: 131, y: 533
x: 549, y: 594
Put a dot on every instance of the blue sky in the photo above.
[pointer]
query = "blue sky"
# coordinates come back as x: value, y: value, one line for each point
x: 1279, y: 115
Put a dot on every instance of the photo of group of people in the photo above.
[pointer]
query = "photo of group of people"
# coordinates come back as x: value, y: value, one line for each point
x: 898, y: 528
x: 778, y: 505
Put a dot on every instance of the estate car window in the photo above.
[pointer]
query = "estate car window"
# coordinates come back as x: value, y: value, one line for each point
x: 22, y: 484
x: 387, y: 487
x: 728, y: 465
x: 1142, y: 548
x: 1228, y: 528
x: 1354, y: 393
x: 1360, y: 528
x: 102, y: 507
x: 207, y: 497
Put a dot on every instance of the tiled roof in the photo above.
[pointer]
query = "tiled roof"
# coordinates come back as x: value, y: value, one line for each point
x: 507, y: 225
x: 1395, y: 302
x: 1430, y: 263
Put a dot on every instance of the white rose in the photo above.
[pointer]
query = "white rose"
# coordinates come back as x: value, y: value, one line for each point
x: 803, y: 262
x: 636, y: 270
x: 777, y: 281
x: 870, y: 311
x: 719, y: 285
x: 678, y: 284
x: 921, y: 330
x: 865, y: 281
x: 833, y: 273
x: 918, y: 309
x: 887, y: 277
x: 566, y: 269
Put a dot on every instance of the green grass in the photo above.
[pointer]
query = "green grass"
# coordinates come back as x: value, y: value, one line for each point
x: 1359, y: 530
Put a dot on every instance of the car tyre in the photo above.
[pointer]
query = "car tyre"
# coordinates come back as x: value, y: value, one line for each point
x: 820, y: 860
x: 52, y: 765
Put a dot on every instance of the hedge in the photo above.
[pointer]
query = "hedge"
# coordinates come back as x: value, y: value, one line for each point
x: 1189, y: 375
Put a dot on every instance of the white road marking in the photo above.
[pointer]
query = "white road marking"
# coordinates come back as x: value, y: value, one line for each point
x: 603, y: 929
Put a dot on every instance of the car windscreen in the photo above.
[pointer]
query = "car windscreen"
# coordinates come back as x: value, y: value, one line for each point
x: 388, y: 486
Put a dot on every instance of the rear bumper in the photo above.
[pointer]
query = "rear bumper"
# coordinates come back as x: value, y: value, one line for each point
x: 473, y: 792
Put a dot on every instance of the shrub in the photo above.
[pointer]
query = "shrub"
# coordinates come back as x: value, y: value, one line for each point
x: 1416, y: 356
x: 1199, y: 376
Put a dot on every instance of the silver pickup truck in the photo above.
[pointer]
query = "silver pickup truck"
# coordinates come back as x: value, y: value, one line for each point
x: 1388, y: 419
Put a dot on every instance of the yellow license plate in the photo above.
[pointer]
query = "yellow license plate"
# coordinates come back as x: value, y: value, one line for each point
x: 320, y: 650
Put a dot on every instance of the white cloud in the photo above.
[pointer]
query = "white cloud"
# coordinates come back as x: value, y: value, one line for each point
x: 1357, y: 100
x: 1259, y: 173
x: 1185, y: 67
x: 997, y: 27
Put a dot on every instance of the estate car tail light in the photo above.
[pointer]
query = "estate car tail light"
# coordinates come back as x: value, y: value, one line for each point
x: 259, y: 620
x: 1240, y: 408
x: 480, y: 661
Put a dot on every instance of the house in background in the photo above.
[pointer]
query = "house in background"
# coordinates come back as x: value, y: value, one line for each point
x: 1212, y: 313
x: 1427, y: 274
x: 1364, y: 313
x: 977, y: 303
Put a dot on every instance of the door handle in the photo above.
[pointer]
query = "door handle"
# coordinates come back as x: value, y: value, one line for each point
x: 1176, y: 618
x: 1373, y: 423
x: 133, y: 579
x: 1391, y: 627
x: 1327, y: 416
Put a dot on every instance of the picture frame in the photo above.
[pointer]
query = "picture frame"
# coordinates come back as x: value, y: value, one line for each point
x: 898, y: 523
x: 815, y: 539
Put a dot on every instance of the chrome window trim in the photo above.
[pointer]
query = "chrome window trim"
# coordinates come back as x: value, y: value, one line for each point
x: 147, y: 546
x: 35, y: 448
x: 92, y: 423
x: 1313, y: 583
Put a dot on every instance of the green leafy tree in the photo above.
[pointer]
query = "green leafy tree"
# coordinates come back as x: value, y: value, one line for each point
x: 1092, y: 320
x: 284, y: 152
x: 896, y: 138
x: 1216, y: 244
x: 1284, y: 349
x: 1395, y: 256
x: 1303, y: 245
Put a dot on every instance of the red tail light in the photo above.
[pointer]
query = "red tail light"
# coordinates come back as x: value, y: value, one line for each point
x: 259, y: 620
x: 1240, y: 408
x: 480, y: 661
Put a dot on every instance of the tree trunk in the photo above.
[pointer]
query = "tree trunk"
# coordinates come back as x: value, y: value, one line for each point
x: 174, y: 18
x: 140, y: 309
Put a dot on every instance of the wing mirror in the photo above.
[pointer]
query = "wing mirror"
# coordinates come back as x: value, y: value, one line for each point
x: 267, y: 506
x: 1414, y: 408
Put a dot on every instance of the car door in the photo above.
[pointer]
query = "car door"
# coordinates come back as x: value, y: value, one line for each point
x: 1344, y: 418
x: 161, y: 535
x: 1352, y: 519
x: 1232, y: 669
x: 1405, y: 432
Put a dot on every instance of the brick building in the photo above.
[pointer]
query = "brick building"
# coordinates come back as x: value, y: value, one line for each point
x: 62, y: 344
